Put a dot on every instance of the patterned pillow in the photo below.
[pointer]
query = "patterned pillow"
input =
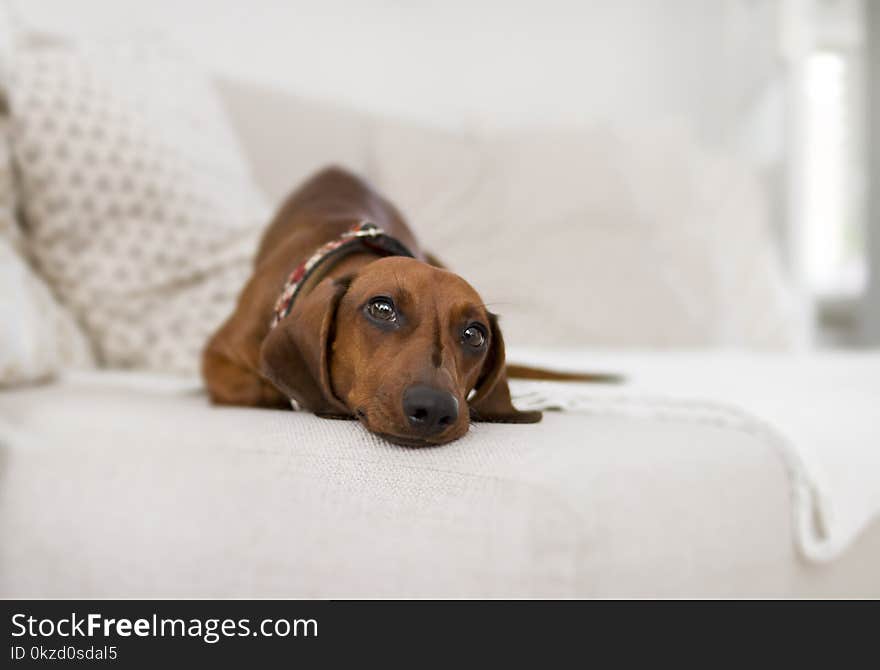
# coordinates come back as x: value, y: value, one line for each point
x: 38, y: 336
x: 140, y: 210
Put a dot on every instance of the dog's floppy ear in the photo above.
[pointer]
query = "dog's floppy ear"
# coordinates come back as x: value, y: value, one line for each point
x: 295, y: 356
x: 491, y: 400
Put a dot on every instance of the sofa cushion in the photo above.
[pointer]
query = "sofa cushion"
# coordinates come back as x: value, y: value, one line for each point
x: 103, y: 500
x: 594, y: 237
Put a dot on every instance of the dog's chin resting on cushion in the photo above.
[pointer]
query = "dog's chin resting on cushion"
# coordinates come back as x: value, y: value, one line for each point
x: 345, y: 316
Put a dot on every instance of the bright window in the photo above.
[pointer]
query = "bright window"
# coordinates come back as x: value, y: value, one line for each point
x: 833, y: 216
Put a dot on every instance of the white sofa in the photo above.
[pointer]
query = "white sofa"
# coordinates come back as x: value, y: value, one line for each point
x: 124, y: 484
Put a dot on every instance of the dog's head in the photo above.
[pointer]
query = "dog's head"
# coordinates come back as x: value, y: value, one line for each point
x: 406, y: 348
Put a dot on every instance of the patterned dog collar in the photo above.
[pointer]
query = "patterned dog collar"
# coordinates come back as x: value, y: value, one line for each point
x: 364, y: 235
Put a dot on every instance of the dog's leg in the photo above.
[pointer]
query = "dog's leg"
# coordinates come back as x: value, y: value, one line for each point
x: 230, y: 383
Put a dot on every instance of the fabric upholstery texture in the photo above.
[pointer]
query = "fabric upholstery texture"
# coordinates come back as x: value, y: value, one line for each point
x: 817, y: 411
x: 140, y: 209
x: 166, y: 496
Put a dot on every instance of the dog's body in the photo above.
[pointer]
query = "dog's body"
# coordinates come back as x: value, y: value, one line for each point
x: 400, y: 344
x: 321, y: 210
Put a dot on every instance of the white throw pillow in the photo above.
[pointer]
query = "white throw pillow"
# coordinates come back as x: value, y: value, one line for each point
x: 591, y: 237
x: 140, y: 210
x: 38, y: 338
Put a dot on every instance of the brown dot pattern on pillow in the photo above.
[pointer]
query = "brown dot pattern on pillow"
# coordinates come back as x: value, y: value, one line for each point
x: 140, y: 209
x: 38, y: 337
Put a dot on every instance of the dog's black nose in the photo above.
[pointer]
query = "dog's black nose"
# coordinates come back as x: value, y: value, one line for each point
x: 429, y: 410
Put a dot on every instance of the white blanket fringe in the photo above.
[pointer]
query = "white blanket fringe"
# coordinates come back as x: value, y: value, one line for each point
x: 810, y: 506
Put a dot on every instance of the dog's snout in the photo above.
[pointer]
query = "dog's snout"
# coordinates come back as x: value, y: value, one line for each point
x: 429, y: 410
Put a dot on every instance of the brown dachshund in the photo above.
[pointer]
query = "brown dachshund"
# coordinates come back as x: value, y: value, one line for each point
x: 347, y: 317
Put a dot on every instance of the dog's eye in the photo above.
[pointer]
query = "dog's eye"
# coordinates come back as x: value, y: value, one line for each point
x: 382, y: 309
x: 474, y: 336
